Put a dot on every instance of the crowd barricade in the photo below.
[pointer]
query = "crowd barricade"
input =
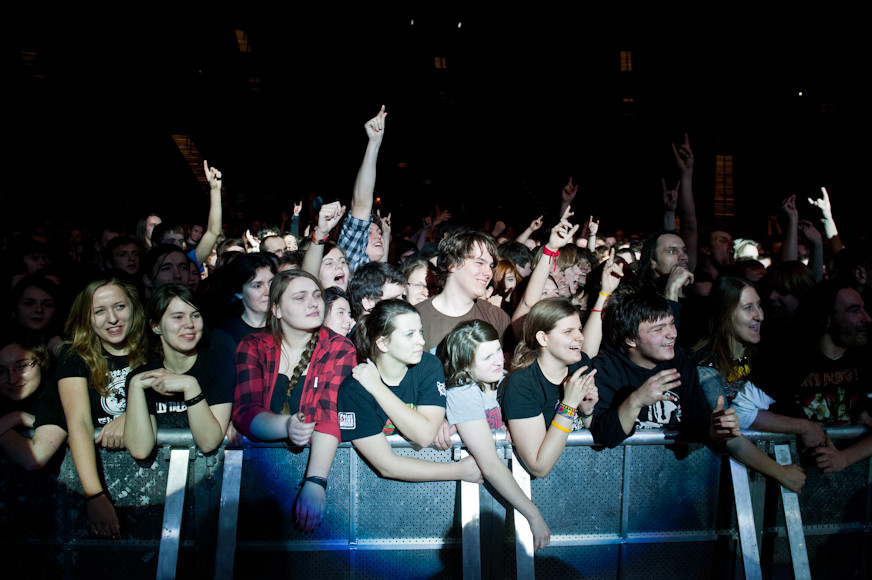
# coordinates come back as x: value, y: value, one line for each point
x: 653, y: 507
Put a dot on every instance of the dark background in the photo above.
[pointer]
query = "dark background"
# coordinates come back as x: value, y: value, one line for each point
x: 527, y: 99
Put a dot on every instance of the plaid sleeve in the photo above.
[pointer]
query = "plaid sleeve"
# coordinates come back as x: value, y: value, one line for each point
x: 353, y: 239
x: 251, y: 371
x: 334, y: 365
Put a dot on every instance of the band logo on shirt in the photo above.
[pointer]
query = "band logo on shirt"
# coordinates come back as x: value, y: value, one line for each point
x: 389, y: 427
x: 348, y: 420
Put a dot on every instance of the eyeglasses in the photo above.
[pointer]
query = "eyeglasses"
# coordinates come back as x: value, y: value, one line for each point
x: 19, y: 368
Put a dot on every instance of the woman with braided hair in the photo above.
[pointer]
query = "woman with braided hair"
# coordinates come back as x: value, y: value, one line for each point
x: 287, y: 382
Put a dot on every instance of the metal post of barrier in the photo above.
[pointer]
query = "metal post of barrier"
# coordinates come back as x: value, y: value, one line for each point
x: 225, y: 549
x: 793, y: 520
x: 745, y: 517
x: 177, y: 478
x: 470, y: 522
x: 523, y: 533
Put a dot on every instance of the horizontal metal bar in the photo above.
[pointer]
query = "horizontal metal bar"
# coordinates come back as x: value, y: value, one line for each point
x: 582, y: 438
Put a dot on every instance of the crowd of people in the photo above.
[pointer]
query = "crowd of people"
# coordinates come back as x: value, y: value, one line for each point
x: 342, y: 330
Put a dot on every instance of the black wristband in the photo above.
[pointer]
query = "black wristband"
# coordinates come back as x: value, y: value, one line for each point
x: 322, y: 481
x: 194, y: 400
x: 96, y: 495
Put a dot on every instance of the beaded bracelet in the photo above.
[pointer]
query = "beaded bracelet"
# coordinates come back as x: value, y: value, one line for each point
x: 567, y: 411
x: 561, y: 427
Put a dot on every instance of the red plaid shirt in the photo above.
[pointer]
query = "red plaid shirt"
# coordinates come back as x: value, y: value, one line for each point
x: 257, y: 368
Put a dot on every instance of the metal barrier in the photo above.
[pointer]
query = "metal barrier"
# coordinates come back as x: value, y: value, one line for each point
x: 648, y: 508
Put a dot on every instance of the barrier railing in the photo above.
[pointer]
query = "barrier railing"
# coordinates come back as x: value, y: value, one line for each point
x: 653, y: 506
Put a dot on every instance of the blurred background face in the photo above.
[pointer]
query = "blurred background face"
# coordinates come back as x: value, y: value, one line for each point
x: 19, y: 376
x: 35, y: 310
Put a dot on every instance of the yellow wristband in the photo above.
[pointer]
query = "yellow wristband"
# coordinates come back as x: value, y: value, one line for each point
x: 561, y: 427
x: 604, y: 294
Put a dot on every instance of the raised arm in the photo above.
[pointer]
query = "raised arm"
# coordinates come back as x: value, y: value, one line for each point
x: 790, y: 250
x: 386, y: 234
x: 686, y: 205
x: 534, y: 226
x: 816, y: 259
x: 328, y: 217
x: 561, y: 234
x: 213, y: 226
x: 830, y: 229
x: 567, y: 195
x: 593, y: 327
x: 364, y: 184
x: 670, y: 204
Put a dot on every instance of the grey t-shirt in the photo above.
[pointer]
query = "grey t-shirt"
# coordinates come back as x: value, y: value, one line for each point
x: 470, y: 403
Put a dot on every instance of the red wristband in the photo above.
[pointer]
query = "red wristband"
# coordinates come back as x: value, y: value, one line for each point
x: 555, y: 254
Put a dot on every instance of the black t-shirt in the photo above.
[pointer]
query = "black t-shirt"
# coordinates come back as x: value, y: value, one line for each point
x: 618, y: 377
x: 229, y: 334
x: 359, y: 414
x: 103, y: 409
x: 44, y: 405
x: 280, y: 395
x: 528, y: 393
x: 215, y: 374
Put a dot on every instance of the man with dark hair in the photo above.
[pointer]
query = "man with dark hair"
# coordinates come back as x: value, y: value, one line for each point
x: 519, y: 254
x: 373, y: 283
x: 644, y: 378
x: 465, y: 263
x: 274, y: 245
x: 827, y: 381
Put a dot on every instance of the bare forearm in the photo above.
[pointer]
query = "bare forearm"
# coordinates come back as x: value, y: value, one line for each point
x: 364, y: 184
x: 139, y: 435
x: 321, y: 454
x: 593, y: 328
x: 207, y: 431
x: 775, y: 423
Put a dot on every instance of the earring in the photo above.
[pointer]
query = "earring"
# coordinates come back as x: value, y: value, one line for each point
x: 238, y: 296
x: 158, y: 331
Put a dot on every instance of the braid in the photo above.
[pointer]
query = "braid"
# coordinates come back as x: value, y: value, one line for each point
x: 301, y: 366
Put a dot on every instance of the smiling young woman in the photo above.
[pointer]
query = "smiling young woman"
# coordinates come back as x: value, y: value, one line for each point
x: 107, y: 328
x: 185, y: 386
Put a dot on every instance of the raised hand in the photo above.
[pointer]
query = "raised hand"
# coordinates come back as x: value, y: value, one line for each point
x: 562, y: 233
x: 252, y: 242
x: 441, y: 216
x: 670, y: 196
x: 823, y: 203
x: 536, y: 224
x: 592, y: 227
x: 810, y: 232
x: 328, y: 216
x: 375, y: 127
x: 788, y: 206
x: 213, y: 176
x: 569, y: 191
x: 298, y: 207
x: 683, y: 156
x: 612, y: 274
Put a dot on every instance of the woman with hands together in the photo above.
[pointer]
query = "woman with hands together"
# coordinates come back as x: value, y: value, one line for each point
x: 185, y: 386
x: 551, y: 391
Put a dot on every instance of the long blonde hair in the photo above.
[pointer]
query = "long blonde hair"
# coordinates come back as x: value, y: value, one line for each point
x: 85, y: 342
